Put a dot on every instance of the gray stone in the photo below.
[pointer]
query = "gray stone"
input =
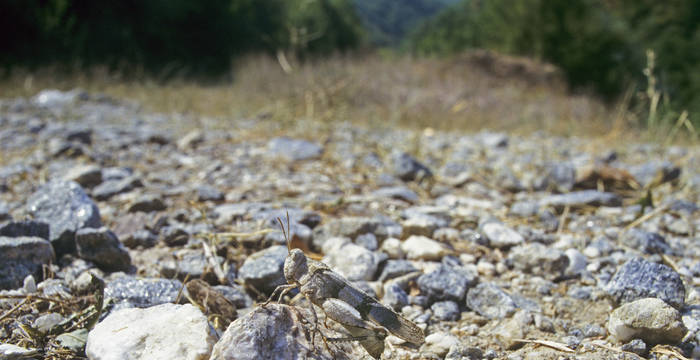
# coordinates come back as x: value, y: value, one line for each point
x: 74, y: 340
x: 439, y: 343
x: 499, y: 235
x: 593, y: 330
x: 661, y: 171
x: 639, y: 278
x: 367, y: 241
x: 350, y: 227
x: 352, y: 261
x: 29, y: 228
x: 463, y: 352
x: 190, y: 264
x: 491, y: 301
x: 418, y: 247
x: 395, y: 268
x: 294, y: 149
x: 636, y: 346
x: 650, y: 319
x: 66, y: 208
x: 132, y: 230
x: 445, y: 310
x: 109, y: 188
x: 46, y: 322
x: 87, y: 175
x: 51, y: 98
x: 417, y: 222
x: 645, y: 241
x: 539, y: 259
x: 447, y: 283
x: 263, y: 269
x: 129, y: 291
x: 54, y: 288
x: 174, y: 236
x: 524, y: 208
x: 407, y: 168
x: 274, y: 332
x: 582, y: 198
x: 209, y: 193
x: 236, y: 295
x: 147, y: 203
x: 60, y: 147
x: 4, y: 210
x: 562, y: 176
x: 493, y: 140
x: 103, y: 248
x: 21, y: 257
x: 116, y: 173
x: 394, y: 297
x: 397, y: 192
x: 307, y: 218
x: 14, y: 352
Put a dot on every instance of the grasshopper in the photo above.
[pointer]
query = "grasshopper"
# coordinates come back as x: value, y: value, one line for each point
x: 366, y: 319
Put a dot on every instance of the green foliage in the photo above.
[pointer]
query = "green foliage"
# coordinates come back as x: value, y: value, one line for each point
x: 200, y: 36
x: 573, y: 34
x: 599, y: 44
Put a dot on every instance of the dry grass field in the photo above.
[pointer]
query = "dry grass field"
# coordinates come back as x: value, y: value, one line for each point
x: 469, y: 92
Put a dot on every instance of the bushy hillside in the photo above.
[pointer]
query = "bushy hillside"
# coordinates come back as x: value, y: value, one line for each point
x: 599, y: 44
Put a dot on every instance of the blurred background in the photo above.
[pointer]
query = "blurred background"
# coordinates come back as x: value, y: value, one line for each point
x: 571, y: 67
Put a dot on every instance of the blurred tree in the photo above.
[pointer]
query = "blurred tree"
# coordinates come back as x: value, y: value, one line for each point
x: 199, y: 36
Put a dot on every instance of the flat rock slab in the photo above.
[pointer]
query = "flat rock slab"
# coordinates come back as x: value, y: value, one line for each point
x: 167, y: 331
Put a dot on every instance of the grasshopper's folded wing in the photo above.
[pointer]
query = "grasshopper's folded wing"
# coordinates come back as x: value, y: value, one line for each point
x: 371, y: 309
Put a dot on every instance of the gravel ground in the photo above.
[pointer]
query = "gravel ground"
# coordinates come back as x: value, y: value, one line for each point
x: 124, y: 233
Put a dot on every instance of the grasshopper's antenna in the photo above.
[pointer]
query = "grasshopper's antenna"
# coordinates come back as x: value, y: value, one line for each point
x: 286, y: 238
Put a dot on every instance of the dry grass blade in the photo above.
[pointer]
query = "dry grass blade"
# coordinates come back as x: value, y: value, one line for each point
x: 608, y: 347
x: 667, y: 350
x: 552, y: 344
x: 645, y: 217
x: 15, y: 308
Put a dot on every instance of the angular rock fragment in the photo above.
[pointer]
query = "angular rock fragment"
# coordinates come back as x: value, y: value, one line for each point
x: 407, y: 168
x: 491, y: 301
x: 66, y: 208
x: 639, y: 278
x: 263, y: 269
x: 21, y: 257
x: 275, y: 331
x: 103, y: 248
x: 447, y: 283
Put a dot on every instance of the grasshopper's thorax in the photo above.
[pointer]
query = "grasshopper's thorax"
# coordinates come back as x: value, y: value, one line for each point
x: 295, y: 266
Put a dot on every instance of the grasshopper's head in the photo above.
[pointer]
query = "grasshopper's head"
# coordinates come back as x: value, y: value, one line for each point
x: 295, y: 266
